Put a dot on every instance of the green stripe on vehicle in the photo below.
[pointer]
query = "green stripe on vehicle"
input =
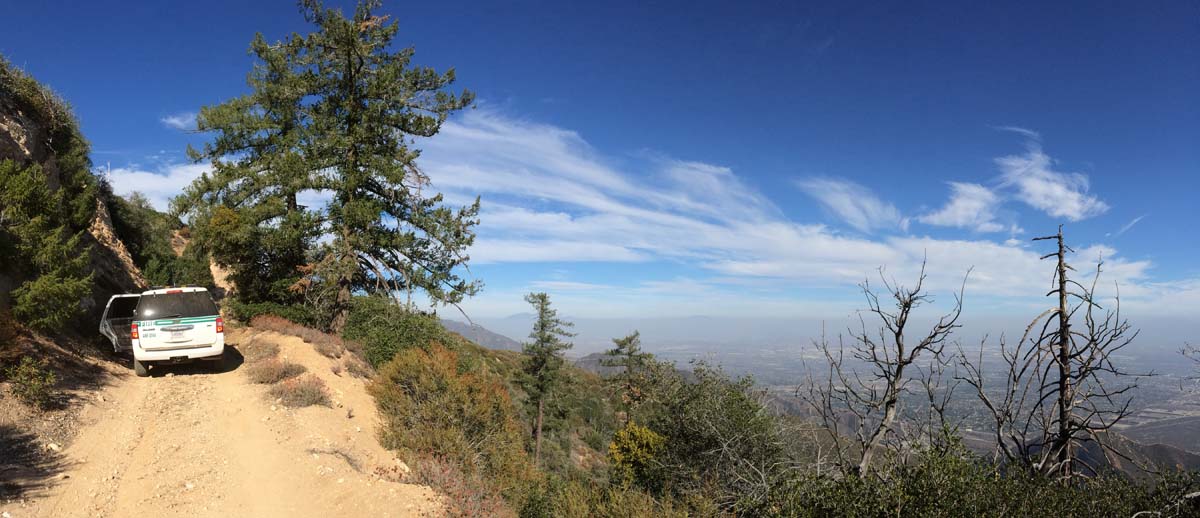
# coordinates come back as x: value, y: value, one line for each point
x: 170, y: 321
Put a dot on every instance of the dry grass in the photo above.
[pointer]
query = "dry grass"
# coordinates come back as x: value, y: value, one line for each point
x: 330, y: 346
x: 466, y: 495
x: 307, y: 390
x: 255, y: 351
x: 274, y: 371
x: 329, y: 349
x: 358, y: 367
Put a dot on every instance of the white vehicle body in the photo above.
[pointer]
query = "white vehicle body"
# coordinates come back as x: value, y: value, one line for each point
x: 170, y: 325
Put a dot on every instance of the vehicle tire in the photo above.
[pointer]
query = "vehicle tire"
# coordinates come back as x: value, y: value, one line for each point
x: 140, y: 369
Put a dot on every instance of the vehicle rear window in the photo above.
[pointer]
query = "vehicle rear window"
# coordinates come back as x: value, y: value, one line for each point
x: 176, y: 305
x: 122, y: 307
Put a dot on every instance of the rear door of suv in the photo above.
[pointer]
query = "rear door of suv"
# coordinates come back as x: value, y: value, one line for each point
x: 177, y: 319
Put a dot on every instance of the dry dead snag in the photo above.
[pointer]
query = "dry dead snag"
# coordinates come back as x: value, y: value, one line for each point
x: 1059, y: 389
x: 859, y: 398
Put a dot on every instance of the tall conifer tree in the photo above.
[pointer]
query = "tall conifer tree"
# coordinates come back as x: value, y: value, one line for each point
x: 627, y: 356
x: 387, y: 235
x: 543, y: 360
x: 247, y: 211
x: 335, y: 112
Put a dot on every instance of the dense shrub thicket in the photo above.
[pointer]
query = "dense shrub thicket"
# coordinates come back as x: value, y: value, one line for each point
x: 248, y: 311
x: 955, y: 483
x: 433, y: 403
x: 384, y: 328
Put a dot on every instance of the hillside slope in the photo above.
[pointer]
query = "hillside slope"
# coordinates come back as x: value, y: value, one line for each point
x: 38, y: 128
x: 481, y: 335
x: 190, y: 442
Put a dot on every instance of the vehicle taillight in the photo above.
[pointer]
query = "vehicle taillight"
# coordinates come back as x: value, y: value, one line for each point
x: 133, y: 332
x: 220, y: 325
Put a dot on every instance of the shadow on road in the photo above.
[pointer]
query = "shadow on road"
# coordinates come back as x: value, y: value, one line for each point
x: 232, y: 361
x: 24, y: 464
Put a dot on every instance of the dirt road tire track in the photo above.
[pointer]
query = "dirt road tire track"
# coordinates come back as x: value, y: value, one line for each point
x: 188, y: 441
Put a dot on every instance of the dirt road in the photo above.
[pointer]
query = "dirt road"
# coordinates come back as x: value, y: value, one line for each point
x: 191, y: 442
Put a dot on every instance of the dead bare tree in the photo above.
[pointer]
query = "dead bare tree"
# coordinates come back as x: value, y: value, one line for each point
x: 859, y: 403
x: 1191, y: 352
x: 1060, y: 388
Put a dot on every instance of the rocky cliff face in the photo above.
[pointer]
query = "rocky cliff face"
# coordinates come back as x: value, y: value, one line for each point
x: 25, y: 140
x: 114, y: 267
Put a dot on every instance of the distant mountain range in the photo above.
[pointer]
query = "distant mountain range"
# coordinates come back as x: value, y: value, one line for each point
x: 482, y: 335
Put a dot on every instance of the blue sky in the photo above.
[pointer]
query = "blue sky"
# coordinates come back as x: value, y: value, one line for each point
x: 698, y: 158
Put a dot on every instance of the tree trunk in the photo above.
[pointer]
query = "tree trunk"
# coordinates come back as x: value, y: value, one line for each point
x: 537, y: 435
x: 344, y: 282
x: 1064, y: 366
x: 891, y: 406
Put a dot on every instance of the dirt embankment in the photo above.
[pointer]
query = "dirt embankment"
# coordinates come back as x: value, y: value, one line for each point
x: 191, y: 442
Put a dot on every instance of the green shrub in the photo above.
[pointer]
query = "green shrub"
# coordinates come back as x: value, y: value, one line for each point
x: 41, y: 248
x: 32, y: 382
x: 307, y: 390
x: 431, y: 406
x: 955, y: 483
x: 383, y: 328
x: 245, y: 311
x: 578, y: 498
x: 50, y: 301
x: 273, y: 371
x: 631, y: 456
x: 720, y: 441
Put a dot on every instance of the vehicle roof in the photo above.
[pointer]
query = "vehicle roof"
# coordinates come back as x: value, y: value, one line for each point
x: 181, y: 289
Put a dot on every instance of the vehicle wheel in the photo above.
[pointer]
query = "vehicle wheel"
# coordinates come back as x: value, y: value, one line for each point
x: 140, y: 369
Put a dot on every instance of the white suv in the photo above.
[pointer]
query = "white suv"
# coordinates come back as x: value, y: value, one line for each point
x: 176, y: 325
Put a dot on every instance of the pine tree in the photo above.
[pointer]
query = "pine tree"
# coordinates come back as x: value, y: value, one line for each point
x: 627, y: 355
x: 387, y: 235
x: 336, y: 112
x: 37, y: 244
x: 246, y: 213
x: 543, y: 360
x: 45, y: 209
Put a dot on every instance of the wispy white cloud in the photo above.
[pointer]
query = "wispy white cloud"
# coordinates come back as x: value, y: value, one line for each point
x: 180, y: 121
x: 554, y: 285
x: 162, y: 182
x: 856, y: 205
x: 1037, y: 184
x: 549, y: 197
x: 1027, y: 133
x: 971, y: 206
x: 160, y: 185
x: 1125, y: 228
